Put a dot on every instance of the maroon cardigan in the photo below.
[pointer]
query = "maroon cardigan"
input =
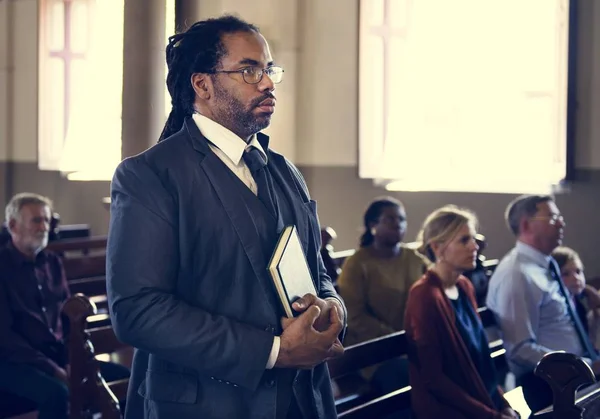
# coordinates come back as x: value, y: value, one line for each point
x: 445, y: 384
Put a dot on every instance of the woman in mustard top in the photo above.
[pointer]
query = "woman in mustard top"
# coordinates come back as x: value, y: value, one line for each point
x: 374, y: 284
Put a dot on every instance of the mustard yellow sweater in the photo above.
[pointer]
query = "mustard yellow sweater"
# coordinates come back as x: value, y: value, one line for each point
x: 375, y: 291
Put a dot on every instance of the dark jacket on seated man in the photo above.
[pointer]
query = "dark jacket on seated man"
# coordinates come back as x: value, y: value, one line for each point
x: 33, y: 357
x: 33, y: 289
x: 31, y: 296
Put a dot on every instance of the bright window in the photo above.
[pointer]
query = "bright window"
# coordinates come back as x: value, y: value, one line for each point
x: 463, y: 95
x: 80, y: 87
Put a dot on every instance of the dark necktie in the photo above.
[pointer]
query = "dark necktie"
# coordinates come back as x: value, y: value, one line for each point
x: 583, y: 336
x: 257, y: 163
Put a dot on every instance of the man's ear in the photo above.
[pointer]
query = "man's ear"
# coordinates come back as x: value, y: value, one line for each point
x: 523, y: 225
x: 12, y: 224
x: 202, y: 85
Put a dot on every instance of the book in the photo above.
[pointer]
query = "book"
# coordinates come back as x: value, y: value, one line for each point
x: 289, y: 270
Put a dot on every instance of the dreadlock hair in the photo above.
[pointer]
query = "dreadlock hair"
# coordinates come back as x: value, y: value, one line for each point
x: 197, y: 50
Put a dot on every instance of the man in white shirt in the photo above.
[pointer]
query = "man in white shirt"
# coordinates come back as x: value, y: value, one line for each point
x: 526, y: 296
x: 194, y: 221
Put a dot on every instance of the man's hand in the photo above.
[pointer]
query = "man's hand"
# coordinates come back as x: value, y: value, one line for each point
x: 509, y: 413
x: 322, y: 323
x: 593, y: 297
x: 62, y: 375
x: 596, y: 367
x: 303, y: 347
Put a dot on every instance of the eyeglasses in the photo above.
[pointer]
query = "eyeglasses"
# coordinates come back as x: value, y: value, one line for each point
x: 552, y: 219
x: 254, y: 75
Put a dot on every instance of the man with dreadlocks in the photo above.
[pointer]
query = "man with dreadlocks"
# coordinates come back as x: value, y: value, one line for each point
x: 194, y: 221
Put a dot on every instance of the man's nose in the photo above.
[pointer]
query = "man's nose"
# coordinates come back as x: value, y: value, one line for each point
x: 266, y: 84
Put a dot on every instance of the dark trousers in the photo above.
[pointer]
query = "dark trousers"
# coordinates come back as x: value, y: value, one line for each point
x: 49, y: 394
x: 536, y: 391
x: 390, y: 376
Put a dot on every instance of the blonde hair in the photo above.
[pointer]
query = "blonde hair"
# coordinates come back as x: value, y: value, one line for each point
x: 564, y: 255
x: 442, y: 225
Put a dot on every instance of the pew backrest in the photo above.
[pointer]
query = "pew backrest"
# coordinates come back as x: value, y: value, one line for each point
x: 82, y: 245
x: 368, y: 353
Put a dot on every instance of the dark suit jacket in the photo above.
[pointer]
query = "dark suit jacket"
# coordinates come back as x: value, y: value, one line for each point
x: 444, y: 381
x: 183, y: 284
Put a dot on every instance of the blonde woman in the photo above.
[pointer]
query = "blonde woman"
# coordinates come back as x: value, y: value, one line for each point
x: 451, y: 372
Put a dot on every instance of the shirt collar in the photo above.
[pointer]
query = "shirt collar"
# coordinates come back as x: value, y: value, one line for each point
x: 225, y: 140
x: 535, y: 255
x: 21, y: 259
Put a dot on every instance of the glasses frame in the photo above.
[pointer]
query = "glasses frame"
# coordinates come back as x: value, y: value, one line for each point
x: 262, y: 73
x: 552, y: 219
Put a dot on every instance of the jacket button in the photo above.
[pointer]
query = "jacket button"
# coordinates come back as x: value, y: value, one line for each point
x: 271, y: 383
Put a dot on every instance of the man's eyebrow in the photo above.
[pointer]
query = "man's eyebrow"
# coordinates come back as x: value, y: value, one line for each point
x: 250, y: 61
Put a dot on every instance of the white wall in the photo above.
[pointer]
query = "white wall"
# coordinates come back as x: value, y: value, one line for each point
x: 277, y: 20
x: 588, y: 119
x: 328, y: 68
x: 4, y: 75
x: 18, y: 78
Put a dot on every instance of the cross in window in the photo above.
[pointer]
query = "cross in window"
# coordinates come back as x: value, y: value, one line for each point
x: 68, y: 56
x: 394, y: 25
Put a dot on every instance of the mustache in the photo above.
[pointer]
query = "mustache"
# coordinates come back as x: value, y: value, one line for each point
x: 261, y: 99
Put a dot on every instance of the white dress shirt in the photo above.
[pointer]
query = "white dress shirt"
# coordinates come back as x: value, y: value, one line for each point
x: 230, y: 149
x: 531, y: 310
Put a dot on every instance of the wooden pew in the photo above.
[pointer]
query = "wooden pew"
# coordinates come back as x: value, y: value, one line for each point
x: 357, y: 400
x: 83, y: 245
x: 95, y: 339
x: 84, y: 260
x: 89, y: 392
x: 576, y: 394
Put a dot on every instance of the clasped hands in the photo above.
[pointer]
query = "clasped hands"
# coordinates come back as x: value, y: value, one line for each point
x: 312, y: 337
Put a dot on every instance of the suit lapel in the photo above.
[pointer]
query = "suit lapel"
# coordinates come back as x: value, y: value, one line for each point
x: 233, y: 203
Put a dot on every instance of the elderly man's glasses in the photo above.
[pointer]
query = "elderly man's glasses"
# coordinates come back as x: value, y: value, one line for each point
x: 254, y: 75
x: 552, y: 219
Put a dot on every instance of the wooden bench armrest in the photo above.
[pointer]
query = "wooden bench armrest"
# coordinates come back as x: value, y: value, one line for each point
x: 365, y: 354
x: 87, y: 389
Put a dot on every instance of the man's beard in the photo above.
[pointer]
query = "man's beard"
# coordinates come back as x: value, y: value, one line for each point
x: 37, y: 244
x: 236, y: 117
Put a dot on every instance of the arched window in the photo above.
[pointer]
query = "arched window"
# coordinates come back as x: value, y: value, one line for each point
x: 80, y: 86
x: 463, y: 95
